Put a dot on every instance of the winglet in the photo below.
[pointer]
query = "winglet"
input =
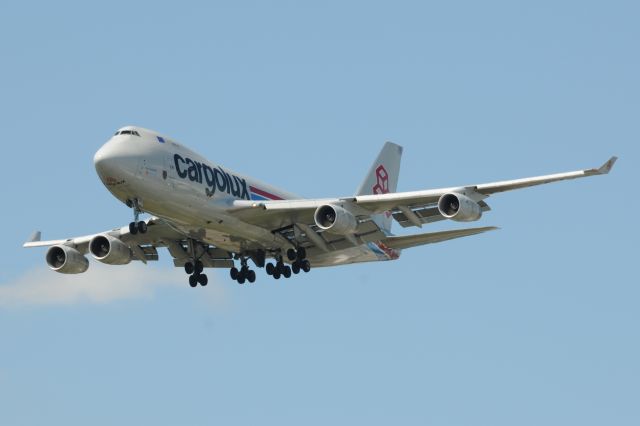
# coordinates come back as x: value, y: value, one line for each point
x: 35, y: 237
x: 606, y: 167
x: 36, y: 241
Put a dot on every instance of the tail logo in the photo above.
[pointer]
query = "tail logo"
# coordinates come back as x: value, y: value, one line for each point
x: 382, y: 185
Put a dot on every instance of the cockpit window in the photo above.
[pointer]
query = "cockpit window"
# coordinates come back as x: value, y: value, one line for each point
x: 127, y: 132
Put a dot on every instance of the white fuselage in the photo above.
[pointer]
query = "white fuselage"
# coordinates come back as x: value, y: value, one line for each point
x: 176, y: 184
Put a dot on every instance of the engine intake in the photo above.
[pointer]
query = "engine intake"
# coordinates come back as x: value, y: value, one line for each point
x: 335, y: 219
x: 459, y: 207
x: 66, y: 260
x: 110, y: 250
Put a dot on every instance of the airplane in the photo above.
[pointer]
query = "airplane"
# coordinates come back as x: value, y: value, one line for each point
x: 208, y: 216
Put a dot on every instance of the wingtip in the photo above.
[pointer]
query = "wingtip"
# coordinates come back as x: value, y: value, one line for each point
x: 35, y: 237
x: 606, y: 167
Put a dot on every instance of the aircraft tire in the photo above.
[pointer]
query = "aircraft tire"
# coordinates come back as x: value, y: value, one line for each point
x: 142, y: 227
x: 251, y: 276
x: 203, y: 280
x: 199, y: 267
x: 306, y: 266
x: 286, y: 271
x: 295, y: 268
x: 133, y: 229
x: 302, y: 253
x: 188, y: 268
x: 234, y: 273
x: 193, y: 280
x: 291, y: 254
x: 270, y: 268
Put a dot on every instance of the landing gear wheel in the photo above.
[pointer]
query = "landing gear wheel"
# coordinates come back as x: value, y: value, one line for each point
x: 199, y: 267
x: 193, y: 280
x: 270, y: 268
x: 302, y: 253
x: 244, y: 271
x: 142, y: 227
x: 305, y: 265
x: 234, y: 273
x: 241, y: 279
x: 188, y: 268
x: 203, y: 280
x: 251, y: 276
x: 276, y: 275
x: 286, y: 271
x: 291, y: 254
x: 295, y: 268
x: 133, y: 228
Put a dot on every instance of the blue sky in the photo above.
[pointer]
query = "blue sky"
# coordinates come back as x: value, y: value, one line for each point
x: 534, y: 324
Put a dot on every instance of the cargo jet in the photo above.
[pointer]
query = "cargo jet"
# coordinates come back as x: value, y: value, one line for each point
x: 208, y: 216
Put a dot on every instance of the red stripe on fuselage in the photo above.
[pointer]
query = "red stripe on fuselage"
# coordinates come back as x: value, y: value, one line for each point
x: 264, y: 193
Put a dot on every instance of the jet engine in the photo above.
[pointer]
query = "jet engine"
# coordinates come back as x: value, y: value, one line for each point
x: 110, y: 250
x: 66, y: 260
x: 459, y: 207
x: 335, y: 219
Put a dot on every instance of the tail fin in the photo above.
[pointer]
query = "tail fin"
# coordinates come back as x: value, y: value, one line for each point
x: 383, y: 178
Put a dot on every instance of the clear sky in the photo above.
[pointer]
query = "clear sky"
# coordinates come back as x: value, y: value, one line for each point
x: 535, y: 324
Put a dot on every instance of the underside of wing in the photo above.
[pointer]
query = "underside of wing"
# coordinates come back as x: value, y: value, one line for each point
x: 120, y: 246
x: 405, y: 242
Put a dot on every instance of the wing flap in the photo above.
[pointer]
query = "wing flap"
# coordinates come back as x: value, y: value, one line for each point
x: 409, y: 241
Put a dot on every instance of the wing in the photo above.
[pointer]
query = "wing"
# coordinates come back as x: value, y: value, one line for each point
x: 408, y: 208
x: 144, y: 247
x: 409, y: 241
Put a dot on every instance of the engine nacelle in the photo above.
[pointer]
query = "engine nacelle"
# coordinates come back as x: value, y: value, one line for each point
x: 335, y: 219
x: 66, y: 260
x: 459, y: 207
x: 110, y: 250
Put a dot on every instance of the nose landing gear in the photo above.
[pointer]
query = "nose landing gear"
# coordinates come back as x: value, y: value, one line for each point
x: 137, y: 226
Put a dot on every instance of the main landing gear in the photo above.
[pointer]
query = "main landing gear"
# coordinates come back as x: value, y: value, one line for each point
x: 194, y: 270
x: 137, y: 226
x: 195, y: 267
x: 300, y: 263
x: 243, y: 274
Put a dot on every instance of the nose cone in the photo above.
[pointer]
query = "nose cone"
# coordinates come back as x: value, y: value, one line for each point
x: 105, y: 161
x: 115, y: 163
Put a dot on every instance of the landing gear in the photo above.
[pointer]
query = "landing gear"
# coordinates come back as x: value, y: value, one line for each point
x: 243, y: 274
x: 137, y: 226
x: 281, y: 270
x: 195, y: 273
x: 299, y: 254
x: 197, y: 278
x: 277, y: 269
x: 300, y: 263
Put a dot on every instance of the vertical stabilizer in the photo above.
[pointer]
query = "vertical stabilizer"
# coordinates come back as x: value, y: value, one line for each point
x: 382, y: 178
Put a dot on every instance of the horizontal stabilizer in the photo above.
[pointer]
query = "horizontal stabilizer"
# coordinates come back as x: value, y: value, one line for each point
x: 409, y: 241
